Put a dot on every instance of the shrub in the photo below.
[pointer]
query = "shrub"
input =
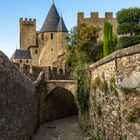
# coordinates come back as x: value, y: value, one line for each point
x: 127, y: 27
x: 128, y: 24
x: 128, y: 15
x: 126, y: 41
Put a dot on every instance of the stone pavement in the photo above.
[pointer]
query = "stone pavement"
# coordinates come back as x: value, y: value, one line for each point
x: 62, y: 129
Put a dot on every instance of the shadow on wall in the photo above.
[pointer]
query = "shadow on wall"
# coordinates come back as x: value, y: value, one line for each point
x: 59, y: 103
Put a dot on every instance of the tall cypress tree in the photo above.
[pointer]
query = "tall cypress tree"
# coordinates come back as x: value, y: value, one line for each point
x: 107, y: 38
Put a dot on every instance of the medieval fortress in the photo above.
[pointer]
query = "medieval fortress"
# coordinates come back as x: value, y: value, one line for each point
x: 46, y: 91
x: 41, y: 48
x: 47, y: 47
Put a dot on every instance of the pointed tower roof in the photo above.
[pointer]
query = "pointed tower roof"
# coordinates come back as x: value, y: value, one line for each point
x: 61, y: 26
x: 51, y: 21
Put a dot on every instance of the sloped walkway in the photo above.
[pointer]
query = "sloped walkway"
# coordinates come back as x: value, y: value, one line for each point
x: 62, y: 129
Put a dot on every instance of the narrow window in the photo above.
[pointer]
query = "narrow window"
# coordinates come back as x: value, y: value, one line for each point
x: 42, y: 37
x: 27, y: 61
x: 20, y: 61
x: 51, y: 35
x: 36, y: 51
x: 51, y: 49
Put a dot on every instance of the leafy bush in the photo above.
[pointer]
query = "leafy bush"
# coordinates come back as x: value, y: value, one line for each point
x: 128, y: 27
x: 126, y: 41
x: 82, y: 46
x: 128, y: 15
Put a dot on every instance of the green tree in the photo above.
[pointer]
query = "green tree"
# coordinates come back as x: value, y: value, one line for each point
x: 83, y: 47
x: 128, y: 27
x: 108, y: 39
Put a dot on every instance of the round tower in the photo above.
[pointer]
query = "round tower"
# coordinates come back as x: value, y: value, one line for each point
x: 51, y: 37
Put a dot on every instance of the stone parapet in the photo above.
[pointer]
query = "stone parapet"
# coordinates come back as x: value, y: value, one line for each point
x: 114, y: 91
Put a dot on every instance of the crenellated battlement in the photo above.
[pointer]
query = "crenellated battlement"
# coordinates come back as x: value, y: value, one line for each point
x: 28, y: 21
x: 95, y: 15
x: 51, y: 73
x: 95, y: 19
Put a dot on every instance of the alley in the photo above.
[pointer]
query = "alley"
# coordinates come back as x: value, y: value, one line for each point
x: 62, y: 129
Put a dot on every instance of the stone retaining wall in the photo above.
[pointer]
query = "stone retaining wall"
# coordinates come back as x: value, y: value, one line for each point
x: 114, y: 96
x: 18, y: 103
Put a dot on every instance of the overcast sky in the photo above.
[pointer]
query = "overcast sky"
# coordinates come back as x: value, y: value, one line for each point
x: 12, y: 10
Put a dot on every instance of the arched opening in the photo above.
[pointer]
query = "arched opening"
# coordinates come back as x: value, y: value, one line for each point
x: 60, y: 103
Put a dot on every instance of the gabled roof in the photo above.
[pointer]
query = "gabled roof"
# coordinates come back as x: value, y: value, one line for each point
x: 51, y: 21
x: 61, y: 26
x: 21, y: 54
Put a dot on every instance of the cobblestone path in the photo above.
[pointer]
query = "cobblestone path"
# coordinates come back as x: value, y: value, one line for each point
x: 62, y: 129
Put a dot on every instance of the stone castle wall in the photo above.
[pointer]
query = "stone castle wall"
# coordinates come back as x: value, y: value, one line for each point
x: 114, y: 96
x: 52, y: 73
x: 24, y: 104
x: 96, y: 20
x: 18, y: 103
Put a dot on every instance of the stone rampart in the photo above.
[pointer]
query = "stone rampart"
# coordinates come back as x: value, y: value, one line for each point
x: 18, y: 103
x: 114, y: 96
x: 51, y: 73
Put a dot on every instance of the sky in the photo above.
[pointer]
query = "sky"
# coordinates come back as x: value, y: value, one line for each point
x: 12, y: 10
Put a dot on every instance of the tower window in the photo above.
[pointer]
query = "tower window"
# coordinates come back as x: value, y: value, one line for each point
x: 42, y: 37
x: 36, y: 51
x: 27, y: 61
x: 51, y: 35
x: 51, y: 49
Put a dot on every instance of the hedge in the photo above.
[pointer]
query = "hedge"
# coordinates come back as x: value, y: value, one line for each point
x: 128, y: 27
x: 127, y: 41
x: 128, y: 15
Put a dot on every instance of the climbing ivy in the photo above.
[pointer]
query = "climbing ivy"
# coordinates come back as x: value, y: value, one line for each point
x: 82, y: 92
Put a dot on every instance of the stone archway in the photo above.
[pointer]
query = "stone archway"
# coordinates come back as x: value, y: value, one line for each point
x: 59, y: 103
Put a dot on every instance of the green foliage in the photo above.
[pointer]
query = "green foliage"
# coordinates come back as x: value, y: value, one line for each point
x: 134, y: 115
x: 82, y: 92
x: 98, y: 83
x: 129, y: 27
x: 127, y: 41
x: 83, y: 48
x: 107, y: 38
x: 128, y: 15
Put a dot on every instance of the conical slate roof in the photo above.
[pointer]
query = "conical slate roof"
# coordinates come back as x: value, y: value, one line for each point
x: 61, y: 26
x: 51, y: 21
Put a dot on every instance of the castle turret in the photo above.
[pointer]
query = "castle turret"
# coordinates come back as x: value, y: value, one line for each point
x: 27, y: 33
x: 51, y: 37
